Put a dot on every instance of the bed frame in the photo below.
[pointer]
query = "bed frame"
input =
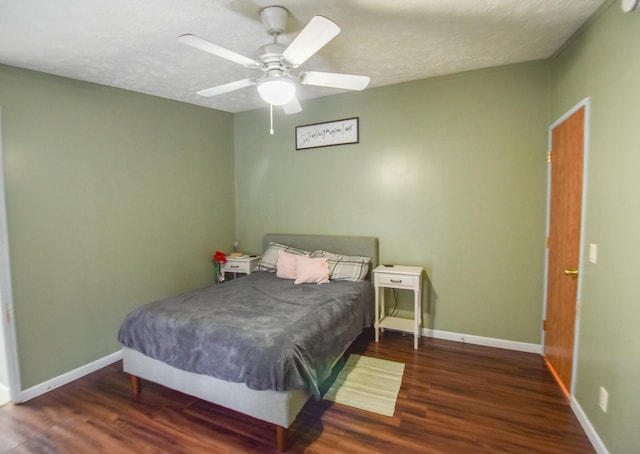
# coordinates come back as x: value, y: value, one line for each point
x: 276, y: 407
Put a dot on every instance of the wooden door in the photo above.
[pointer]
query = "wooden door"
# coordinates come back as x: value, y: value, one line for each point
x: 567, y: 153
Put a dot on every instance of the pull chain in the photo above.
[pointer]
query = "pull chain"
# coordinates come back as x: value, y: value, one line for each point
x: 271, y: 118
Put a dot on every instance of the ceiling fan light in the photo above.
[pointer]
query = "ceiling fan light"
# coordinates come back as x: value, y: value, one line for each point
x: 277, y: 91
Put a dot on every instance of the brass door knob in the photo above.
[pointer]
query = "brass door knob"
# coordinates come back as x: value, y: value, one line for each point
x: 572, y: 273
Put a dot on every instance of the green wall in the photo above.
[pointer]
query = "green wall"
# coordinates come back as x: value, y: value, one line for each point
x: 603, y: 63
x: 114, y: 199
x: 450, y: 174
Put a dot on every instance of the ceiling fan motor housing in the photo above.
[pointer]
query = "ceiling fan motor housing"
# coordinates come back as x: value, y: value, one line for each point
x: 270, y: 56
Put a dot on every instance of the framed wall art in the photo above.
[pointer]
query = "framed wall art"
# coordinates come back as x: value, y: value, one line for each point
x: 328, y: 134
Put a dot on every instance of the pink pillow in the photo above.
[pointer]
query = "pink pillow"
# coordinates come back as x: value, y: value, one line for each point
x: 311, y: 271
x: 286, y: 265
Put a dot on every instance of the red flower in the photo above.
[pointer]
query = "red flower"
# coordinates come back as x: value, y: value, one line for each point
x: 220, y: 257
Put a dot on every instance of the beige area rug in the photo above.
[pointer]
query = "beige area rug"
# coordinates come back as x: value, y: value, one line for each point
x: 367, y: 383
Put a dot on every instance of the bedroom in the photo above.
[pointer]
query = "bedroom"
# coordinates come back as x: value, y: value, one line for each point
x: 450, y: 173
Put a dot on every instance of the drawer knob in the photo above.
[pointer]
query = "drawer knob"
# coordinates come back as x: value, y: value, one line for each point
x: 396, y: 281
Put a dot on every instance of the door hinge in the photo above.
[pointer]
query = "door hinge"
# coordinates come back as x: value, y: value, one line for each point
x: 547, y: 242
x: 7, y: 313
x: 544, y: 325
x: 549, y: 157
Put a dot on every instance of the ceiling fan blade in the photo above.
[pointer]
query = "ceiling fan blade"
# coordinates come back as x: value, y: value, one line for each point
x: 318, y: 32
x: 292, y: 107
x: 334, y: 80
x: 207, y: 46
x: 226, y: 88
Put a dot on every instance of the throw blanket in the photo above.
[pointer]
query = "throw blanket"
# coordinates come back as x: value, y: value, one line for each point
x: 259, y: 330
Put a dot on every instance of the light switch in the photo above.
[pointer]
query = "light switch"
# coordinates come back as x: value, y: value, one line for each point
x: 593, y: 253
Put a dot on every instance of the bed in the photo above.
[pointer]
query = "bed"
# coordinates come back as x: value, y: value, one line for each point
x: 234, y: 363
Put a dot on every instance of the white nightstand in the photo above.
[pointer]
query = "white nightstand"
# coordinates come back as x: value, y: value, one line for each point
x: 398, y: 277
x: 240, y: 265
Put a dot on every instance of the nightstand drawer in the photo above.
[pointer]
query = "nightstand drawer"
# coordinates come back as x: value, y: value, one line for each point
x: 237, y: 266
x: 395, y: 280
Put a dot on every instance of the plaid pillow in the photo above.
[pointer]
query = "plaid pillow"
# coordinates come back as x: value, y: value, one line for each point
x: 269, y: 259
x: 345, y: 267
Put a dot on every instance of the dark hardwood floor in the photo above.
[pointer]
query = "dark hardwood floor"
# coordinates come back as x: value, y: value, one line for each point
x: 455, y: 398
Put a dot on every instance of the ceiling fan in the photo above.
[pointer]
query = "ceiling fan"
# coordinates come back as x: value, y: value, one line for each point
x: 277, y: 85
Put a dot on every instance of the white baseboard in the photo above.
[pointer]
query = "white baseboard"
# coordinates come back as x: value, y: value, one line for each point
x: 70, y: 376
x: 5, y: 395
x: 486, y: 341
x: 593, y: 436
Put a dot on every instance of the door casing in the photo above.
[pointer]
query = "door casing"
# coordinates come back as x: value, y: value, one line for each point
x: 6, y: 294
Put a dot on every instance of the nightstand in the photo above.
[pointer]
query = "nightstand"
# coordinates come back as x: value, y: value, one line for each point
x: 240, y: 265
x: 398, y: 277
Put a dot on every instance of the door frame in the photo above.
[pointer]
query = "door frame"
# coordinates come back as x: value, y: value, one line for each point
x: 6, y: 293
x: 586, y: 103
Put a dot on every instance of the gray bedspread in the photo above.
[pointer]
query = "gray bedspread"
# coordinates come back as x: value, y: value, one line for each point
x: 259, y: 330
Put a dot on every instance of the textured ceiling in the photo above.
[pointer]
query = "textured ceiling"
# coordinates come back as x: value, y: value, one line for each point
x: 132, y: 44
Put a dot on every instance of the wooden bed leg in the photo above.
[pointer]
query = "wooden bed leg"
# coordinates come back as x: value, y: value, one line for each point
x: 281, y: 438
x: 135, y: 386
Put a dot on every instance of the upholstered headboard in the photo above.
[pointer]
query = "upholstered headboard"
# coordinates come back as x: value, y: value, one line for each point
x: 366, y: 246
